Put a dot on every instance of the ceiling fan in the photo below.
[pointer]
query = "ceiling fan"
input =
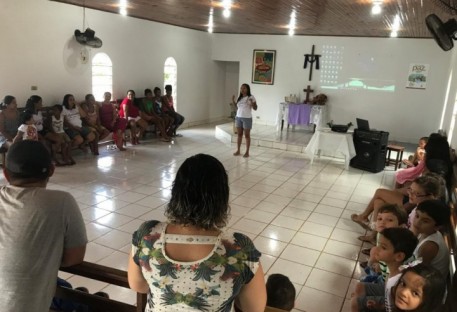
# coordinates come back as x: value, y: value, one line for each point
x: 88, y: 36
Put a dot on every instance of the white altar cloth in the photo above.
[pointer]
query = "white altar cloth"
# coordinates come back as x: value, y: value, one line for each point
x: 331, y: 142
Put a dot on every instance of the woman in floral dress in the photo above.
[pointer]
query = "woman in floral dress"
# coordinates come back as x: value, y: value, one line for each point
x: 190, y: 263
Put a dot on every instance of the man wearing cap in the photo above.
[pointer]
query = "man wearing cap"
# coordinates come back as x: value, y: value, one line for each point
x: 40, y: 230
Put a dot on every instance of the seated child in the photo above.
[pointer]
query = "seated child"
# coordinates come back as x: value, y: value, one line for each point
x: 27, y: 130
x: 389, y: 216
x: 413, y: 160
x: 421, y: 288
x: 428, y: 186
x: 148, y: 113
x: 56, y: 125
x: 430, y: 216
x: 395, y: 246
x: 280, y: 292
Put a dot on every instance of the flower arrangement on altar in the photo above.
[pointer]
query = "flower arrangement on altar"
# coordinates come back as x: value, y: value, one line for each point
x: 319, y: 99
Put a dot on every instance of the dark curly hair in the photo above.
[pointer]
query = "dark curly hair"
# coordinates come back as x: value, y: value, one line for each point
x: 200, y: 193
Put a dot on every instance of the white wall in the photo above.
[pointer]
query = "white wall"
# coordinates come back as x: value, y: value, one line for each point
x: 232, y: 85
x: 38, y: 49
x: 406, y: 113
x: 450, y: 99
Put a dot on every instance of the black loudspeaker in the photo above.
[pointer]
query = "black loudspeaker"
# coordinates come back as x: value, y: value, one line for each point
x: 370, y: 148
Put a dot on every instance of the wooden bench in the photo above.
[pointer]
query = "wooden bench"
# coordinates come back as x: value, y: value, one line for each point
x: 94, y: 302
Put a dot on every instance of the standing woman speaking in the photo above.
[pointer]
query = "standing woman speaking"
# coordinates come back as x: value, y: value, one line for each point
x: 243, y: 121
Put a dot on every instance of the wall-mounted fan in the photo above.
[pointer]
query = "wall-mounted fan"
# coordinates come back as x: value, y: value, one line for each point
x: 88, y: 38
x: 449, y: 6
x: 443, y: 33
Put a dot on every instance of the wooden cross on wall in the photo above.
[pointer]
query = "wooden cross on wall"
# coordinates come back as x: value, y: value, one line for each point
x: 308, y: 90
x: 312, y: 58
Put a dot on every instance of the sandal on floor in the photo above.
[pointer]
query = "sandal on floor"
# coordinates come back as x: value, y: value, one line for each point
x: 363, y: 264
x: 367, y: 239
x: 364, y: 224
x: 366, y: 251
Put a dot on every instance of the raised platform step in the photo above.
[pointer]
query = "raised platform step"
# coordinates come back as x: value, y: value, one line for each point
x: 269, y: 137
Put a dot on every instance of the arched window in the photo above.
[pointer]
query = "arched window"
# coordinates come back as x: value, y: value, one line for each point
x: 102, y: 75
x: 170, y: 77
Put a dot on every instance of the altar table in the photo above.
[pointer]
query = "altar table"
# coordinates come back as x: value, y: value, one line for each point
x: 299, y: 114
x: 333, y: 142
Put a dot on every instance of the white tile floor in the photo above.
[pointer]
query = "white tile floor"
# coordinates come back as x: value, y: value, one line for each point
x: 297, y: 214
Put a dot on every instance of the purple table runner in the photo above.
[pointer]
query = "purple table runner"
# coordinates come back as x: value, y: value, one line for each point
x: 299, y: 114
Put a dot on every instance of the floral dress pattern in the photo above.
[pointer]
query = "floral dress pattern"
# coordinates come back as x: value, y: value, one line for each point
x: 209, y: 284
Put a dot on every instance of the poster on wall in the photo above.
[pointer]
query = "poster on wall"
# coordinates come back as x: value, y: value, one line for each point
x: 263, y: 67
x: 417, y: 76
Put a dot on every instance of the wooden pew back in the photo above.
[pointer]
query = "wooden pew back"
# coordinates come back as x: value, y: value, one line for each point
x: 97, y: 303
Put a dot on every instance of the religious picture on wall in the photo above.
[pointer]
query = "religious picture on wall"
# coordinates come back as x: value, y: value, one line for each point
x: 263, y: 67
x: 417, y: 76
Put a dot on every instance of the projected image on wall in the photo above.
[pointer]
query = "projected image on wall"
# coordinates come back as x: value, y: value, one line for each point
x: 358, y: 76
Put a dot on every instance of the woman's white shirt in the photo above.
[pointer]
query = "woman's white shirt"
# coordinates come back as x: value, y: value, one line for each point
x: 72, y: 116
x: 244, y: 107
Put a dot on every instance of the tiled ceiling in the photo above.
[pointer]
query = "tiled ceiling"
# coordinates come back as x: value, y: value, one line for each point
x: 313, y: 17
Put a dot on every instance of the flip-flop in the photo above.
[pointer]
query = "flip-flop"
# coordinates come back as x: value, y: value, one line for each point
x: 363, y: 264
x: 367, y: 239
x: 364, y: 224
x: 366, y: 251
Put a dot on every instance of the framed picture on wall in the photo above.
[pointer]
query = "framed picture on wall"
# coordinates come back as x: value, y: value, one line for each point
x: 263, y: 67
